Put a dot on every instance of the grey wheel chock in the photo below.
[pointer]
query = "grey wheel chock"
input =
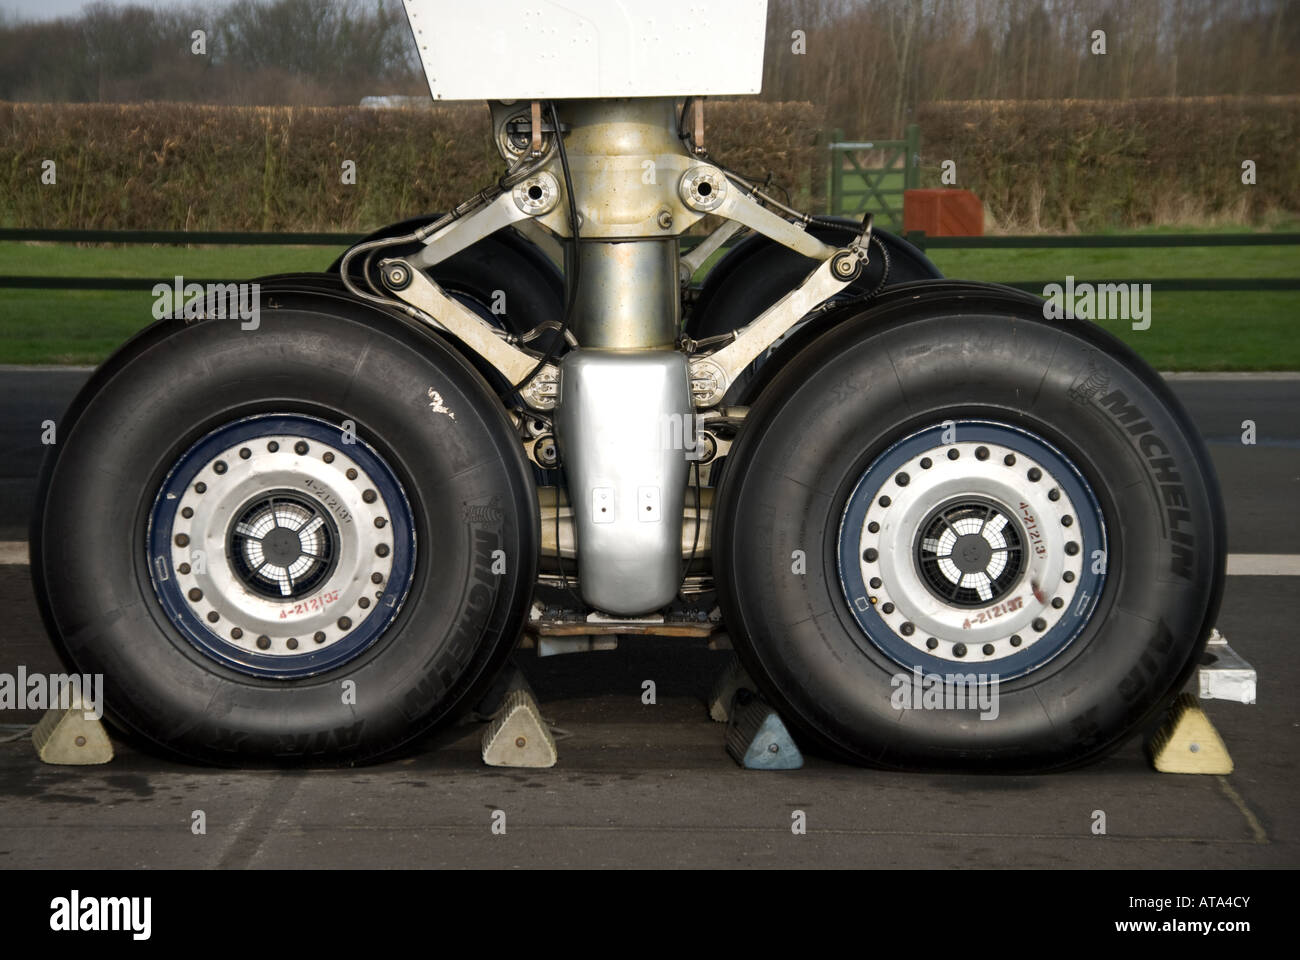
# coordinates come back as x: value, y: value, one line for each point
x: 757, y: 739
x: 517, y: 735
x: 71, y: 736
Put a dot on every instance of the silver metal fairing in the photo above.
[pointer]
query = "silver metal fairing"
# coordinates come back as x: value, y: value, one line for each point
x: 621, y: 423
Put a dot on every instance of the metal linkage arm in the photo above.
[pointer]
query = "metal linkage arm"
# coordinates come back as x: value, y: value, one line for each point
x: 743, y: 208
x: 528, y: 199
x: 692, y: 261
x: 441, y: 311
x: 711, y: 375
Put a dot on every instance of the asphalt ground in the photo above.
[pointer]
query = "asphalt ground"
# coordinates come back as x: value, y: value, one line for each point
x: 650, y: 785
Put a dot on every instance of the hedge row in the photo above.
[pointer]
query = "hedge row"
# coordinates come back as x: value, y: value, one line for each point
x: 171, y: 166
x: 1037, y: 165
x: 1087, y: 165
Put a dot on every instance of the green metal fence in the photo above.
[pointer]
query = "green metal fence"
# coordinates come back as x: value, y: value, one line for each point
x: 1132, y: 240
x: 872, y: 175
x: 342, y: 240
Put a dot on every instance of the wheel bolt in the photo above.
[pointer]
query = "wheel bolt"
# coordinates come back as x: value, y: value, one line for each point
x: 873, y: 527
x: 902, y: 479
x: 885, y: 501
x: 213, y: 616
x: 1068, y: 576
x: 875, y: 583
x: 345, y: 623
x: 380, y: 522
x: 1053, y: 494
x: 369, y: 496
x: 183, y: 568
x: 981, y: 453
x: 907, y: 629
x: 931, y: 643
x: 1015, y: 640
x: 1039, y: 624
x: 954, y: 453
x: 219, y: 467
x: 376, y: 578
x: 272, y: 447
x: 236, y: 633
x: 1035, y: 474
x: 1071, y: 548
x: 887, y: 607
x: 319, y: 636
x: 263, y: 642
x: 870, y: 554
x: 196, y: 594
x: 200, y: 487
x: 245, y: 453
x: 926, y: 463
x: 291, y: 643
x: 988, y: 649
x: 364, y: 603
x: 187, y: 512
x: 381, y: 550
x: 1009, y: 459
x: 327, y: 457
x: 182, y: 540
x: 959, y: 650
x: 1067, y: 520
x: 351, y: 474
x: 300, y: 447
x: 1057, y: 603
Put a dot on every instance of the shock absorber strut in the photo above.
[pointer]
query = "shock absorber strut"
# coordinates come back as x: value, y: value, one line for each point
x: 624, y: 398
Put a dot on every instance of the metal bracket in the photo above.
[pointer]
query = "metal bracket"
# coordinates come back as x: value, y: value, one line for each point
x: 711, y: 375
x: 443, y: 313
x: 535, y: 150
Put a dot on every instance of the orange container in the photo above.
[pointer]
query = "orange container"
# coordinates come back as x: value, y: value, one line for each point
x: 943, y: 213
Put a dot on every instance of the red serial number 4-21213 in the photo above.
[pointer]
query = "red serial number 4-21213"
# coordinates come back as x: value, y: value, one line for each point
x: 307, y: 606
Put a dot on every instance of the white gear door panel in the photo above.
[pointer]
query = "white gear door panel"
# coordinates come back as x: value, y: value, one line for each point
x: 578, y: 49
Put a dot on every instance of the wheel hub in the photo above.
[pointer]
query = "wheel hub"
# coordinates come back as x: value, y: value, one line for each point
x: 981, y: 550
x: 970, y: 552
x: 279, y: 548
x: 282, y: 546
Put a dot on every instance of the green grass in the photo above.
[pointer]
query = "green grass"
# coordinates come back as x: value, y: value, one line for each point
x: 85, y: 326
x: 1125, y: 263
x: 1189, y: 331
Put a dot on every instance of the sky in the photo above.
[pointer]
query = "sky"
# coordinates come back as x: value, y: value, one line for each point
x: 49, y: 9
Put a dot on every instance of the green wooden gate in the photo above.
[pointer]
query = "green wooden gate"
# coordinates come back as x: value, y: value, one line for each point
x: 872, y: 175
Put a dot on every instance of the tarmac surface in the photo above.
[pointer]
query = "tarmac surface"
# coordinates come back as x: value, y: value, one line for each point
x: 650, y: 785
